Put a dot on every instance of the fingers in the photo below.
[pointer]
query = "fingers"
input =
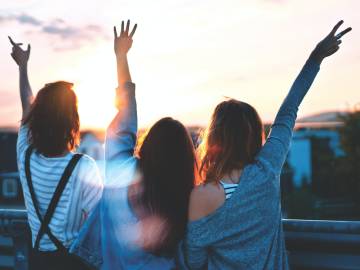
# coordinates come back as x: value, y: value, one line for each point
x: 333, y: 45
x: 122, y: 27
x: 336, y: 27
x: 127, y: 27
x: 125, y: 31
x: 333, y: 50
x: 133, y: 30
x: 13, y: 56
x: 115, y: 32
x: 28, y: 48
x: 11, y: 41
x: 342, y: 33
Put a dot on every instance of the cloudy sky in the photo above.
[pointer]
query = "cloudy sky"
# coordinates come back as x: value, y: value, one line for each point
x: 186, y: 57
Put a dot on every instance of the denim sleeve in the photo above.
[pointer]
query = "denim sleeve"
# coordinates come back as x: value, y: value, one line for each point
x: 87, y: 245
x: 274, y: 152
x: 120, y: 138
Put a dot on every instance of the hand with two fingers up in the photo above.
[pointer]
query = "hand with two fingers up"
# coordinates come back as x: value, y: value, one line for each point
x: 330, y: 44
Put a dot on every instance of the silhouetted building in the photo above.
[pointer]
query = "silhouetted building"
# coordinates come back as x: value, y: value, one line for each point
x: 8, y: 137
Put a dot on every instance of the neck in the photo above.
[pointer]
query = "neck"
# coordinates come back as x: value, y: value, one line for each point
x: 58, y: 155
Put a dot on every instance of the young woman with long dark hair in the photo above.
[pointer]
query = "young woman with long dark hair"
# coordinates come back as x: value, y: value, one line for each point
x: 60, y: 187
x: 235, y: 216
x: 143, y: 213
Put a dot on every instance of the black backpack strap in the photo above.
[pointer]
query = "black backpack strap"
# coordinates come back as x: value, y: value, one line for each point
x: 44, y: 228
x: 29, y: 182
x: 57, y: 243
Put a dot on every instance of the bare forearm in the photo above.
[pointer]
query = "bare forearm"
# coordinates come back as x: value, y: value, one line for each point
x: 26, y: 94
x: 123, y: 72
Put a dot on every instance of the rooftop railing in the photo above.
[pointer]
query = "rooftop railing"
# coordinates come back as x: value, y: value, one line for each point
x: 311, y: 244
x: 15, y: 240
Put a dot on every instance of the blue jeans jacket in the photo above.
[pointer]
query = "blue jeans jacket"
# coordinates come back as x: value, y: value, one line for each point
x: 108, y: 240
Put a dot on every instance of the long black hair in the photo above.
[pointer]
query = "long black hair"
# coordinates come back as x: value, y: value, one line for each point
x: 167, y: 163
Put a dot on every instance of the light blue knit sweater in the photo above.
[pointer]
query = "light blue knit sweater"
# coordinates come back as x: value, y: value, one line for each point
x: 246, y: 231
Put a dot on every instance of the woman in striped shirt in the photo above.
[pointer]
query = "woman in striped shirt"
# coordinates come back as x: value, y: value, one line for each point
x: 60, y: 187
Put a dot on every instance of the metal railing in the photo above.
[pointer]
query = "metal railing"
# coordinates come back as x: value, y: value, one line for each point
x: 311, y: 244
x: 323, y: 244
x: 13, y: 224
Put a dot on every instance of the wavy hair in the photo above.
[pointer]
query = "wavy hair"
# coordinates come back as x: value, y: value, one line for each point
x: 231, y: 141
x: 53, y: 119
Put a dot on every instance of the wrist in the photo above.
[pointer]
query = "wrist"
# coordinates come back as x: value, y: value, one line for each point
x: 314, y: 56
x: 121, y: 56
x: 23, y: 67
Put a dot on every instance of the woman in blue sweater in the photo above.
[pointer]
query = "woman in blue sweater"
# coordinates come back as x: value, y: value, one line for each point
x: 235, y: 215
x: 143, y: 213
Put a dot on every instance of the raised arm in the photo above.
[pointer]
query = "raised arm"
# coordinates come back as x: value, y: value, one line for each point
x: 21, y: 58
x: 121, y: 134
x: 122, y: 45
x: 275, y: 150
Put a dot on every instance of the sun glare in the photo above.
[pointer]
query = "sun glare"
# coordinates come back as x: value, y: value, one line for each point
x: 95, y: 89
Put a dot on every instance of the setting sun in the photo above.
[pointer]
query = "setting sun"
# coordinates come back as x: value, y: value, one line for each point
x: 179, y: 134
x: 183, y: 61
x: 95, y: 88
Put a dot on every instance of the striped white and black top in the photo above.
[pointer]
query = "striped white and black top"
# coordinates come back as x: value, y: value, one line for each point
x: 81, y: 193
x: 228, y: 189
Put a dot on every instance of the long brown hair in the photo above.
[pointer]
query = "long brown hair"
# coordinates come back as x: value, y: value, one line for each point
x: 231, y: 141
x: 167, y: 164
x: 53, y: 119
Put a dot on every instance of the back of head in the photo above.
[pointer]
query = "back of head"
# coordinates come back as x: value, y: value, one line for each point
x: 53, y: 119
x: 167, y: 163
x: 231, y: 141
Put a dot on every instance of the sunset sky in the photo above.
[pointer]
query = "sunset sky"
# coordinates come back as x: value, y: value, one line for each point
x: 186, y: 57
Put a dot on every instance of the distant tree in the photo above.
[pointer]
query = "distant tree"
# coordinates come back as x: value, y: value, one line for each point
x: 8, y: 152
x: 323, y: 168
x: 348, y: 166
x: 335, y: 188
x: 300, y: 203
x: 286, y: 179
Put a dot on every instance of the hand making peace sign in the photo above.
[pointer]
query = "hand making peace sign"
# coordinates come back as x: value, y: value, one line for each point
x: 330, y: 44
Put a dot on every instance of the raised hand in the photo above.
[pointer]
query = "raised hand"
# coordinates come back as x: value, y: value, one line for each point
x: 122, y: 43
x: 330, y: 44
x: 20, y: 56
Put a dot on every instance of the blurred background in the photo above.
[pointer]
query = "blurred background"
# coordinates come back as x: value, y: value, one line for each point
x: 187, y: 56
